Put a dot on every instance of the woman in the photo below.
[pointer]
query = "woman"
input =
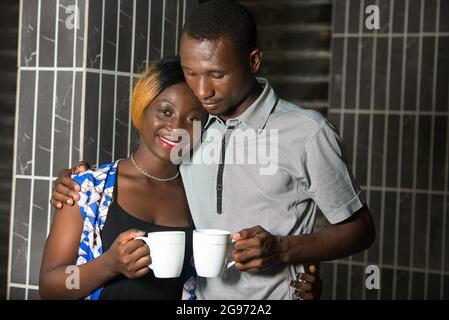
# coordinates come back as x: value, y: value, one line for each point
x: 143, y: 192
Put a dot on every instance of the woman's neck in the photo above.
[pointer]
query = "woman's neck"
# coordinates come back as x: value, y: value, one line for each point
x: 153, y: 164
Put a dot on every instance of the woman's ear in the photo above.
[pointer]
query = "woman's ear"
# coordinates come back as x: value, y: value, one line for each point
x: 255, y: 59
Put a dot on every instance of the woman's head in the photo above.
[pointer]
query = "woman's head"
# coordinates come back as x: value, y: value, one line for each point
x: 162, y: 103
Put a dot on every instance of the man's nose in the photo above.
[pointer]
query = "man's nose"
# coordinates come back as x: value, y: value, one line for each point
x: 204, y: 89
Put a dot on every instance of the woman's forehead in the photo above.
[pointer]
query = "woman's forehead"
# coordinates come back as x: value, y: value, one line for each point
x: 176, y: 90
x: 177, y: 93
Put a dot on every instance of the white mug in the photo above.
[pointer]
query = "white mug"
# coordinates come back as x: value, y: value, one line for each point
x: 167, y: 252
x: 211, y: 251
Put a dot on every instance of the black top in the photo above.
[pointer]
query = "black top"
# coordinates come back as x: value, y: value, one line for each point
x: 147, y: 287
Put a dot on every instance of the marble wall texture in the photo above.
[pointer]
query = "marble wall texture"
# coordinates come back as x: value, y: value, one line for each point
x: 77, y: 62
x: 389, y: 99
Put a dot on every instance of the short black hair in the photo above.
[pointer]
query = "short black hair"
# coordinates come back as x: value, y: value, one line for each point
x: 216, y: 18
x: 169, y: 72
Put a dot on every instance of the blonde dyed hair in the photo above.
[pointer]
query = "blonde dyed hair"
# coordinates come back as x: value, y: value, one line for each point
x: 155, y: 79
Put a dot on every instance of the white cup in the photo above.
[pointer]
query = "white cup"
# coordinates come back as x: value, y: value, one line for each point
x: 167, y: 252
x: 211, y: 251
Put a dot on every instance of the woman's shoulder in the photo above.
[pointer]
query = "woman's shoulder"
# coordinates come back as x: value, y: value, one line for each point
x: 97, y: 174
x: 96, y: 181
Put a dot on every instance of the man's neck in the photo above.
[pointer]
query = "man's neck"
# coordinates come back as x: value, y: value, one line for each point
x: 254, y: 93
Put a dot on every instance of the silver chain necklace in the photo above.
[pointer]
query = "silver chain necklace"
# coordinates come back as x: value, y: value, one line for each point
x: 145, y: 173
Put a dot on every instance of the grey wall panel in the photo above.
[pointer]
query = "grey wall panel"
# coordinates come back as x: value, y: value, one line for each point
x: 394, y: 118
x: 75, y: 108
x: 29, y: 33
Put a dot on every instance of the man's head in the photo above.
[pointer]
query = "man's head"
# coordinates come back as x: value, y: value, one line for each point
x: 219, y: 56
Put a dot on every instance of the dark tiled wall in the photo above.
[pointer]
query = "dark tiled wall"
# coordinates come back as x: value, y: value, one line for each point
x: 389, y: 99
x: 70, y: 108
x: 294, y: 37
x: 9, y: 17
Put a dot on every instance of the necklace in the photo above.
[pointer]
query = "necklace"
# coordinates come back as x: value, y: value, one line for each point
x: 146, y: 173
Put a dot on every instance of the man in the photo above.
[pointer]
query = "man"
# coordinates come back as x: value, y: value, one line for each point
x: 270, y: 215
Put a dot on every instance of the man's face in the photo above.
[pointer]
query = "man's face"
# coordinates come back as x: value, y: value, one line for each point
x: 218, y: 74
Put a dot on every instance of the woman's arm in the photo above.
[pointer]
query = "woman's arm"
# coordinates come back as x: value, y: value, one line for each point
x: 61, y: 250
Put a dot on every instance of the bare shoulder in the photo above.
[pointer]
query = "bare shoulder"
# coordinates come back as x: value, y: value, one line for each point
x: 63, y: 240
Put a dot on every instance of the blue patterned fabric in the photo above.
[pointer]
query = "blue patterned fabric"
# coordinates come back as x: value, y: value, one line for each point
x: 97, y: 187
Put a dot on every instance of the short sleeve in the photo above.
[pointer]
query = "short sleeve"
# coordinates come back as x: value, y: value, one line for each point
x: 330, y: 182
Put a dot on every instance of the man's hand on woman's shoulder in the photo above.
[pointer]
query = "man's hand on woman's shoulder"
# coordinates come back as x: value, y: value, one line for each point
x: 65, y: 190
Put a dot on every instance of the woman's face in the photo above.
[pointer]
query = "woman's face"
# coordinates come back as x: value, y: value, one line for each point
x: 175, y: 108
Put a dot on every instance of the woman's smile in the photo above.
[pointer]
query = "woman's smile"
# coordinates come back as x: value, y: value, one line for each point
x: 166, y: 143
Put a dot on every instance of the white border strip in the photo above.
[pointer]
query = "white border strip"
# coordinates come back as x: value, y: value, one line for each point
x: 52, y: 139
x: 390, y: 266
x: 83, y: 89
x: 74, y: 70
x: 100, y: 85
x: 394, y: 35
x: 131, y: 79
x: 43, y: 178
x: 392, y: 112
x: 115, y: 80
x: 24, y: 286
x: 33, y: 152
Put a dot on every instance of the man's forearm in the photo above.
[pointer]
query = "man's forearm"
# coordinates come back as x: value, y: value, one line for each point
x: 333, y: 242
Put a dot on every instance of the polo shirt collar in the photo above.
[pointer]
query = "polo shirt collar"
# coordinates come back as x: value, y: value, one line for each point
x: 257, y: 114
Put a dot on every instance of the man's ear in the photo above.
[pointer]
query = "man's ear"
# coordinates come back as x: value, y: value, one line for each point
x: 255, y: 59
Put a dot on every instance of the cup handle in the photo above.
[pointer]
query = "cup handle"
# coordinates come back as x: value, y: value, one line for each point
x: 230, y: 264
x: 148, y: 244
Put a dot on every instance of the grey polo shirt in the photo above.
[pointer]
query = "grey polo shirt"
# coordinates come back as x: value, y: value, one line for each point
x: 306, y: 169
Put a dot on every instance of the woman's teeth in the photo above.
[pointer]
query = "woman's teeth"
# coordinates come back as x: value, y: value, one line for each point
x: 172, y: 143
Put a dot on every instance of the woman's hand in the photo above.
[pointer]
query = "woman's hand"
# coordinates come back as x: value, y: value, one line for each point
x: 308, y: 285
x: 128, y: 256
x: 65, y: 191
